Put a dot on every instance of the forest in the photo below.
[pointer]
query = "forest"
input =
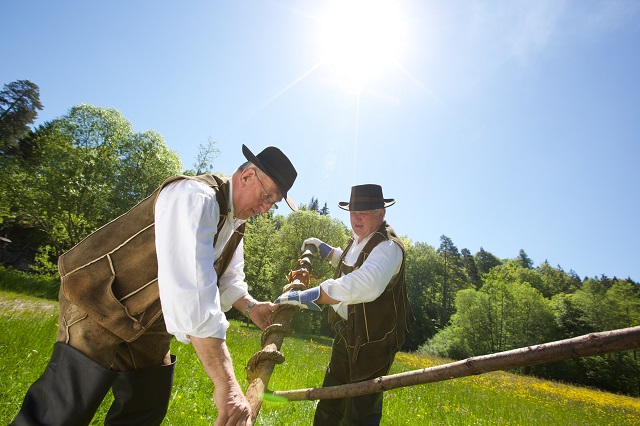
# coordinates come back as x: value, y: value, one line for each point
x: 67, y: 177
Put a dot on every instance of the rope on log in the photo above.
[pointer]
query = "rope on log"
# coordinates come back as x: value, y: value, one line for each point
x: 261, y: 365
x: 286, y: 330
x: 264, y: 356
x: 587, y: 345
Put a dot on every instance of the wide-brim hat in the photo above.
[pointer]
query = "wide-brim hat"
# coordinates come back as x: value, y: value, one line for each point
x: 366, y: 197
x: 277, y: 166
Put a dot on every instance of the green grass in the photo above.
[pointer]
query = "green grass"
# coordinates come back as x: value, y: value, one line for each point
x: 30, y: 284
x: 29, y: 328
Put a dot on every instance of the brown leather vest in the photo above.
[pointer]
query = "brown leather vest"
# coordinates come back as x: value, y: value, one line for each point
x: 374, y: 331
x: 113, y: 273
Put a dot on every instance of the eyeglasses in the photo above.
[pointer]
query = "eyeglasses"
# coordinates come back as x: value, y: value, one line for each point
x: 265, y: 196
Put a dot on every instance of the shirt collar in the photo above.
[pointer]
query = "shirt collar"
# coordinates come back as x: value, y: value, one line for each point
x: 360, y: 241
x: 231, y: 212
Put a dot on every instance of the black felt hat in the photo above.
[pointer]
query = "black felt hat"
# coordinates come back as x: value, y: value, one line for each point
x: 277, y: 166
x: 366, y: 197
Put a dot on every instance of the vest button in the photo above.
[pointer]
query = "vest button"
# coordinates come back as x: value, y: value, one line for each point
x: 137, y: 325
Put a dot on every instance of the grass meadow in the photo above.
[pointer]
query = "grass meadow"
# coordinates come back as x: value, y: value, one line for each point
x: 28, y: 327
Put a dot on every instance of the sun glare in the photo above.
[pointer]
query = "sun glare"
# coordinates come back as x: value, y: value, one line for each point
x: 361, y: 41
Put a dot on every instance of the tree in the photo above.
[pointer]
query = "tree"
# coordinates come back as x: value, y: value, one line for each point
x: 588, y: 299
x: 314, y: 205
x: 19, y: 105
x: 599, y: 305
x: 452, y: 277
x: 297, y: 227
x: 522, y: 315
x: 623, y: 299
x: 570, y: 319
x: 485, y: 261
x: 261, y: 265
x: 524, y: 260
x: 204, y: 159
x: 502, y: 315
x: 556, y: 281
x: 324, y: 211
x: 471, y: 268
x: 89, y: 167
x: 423, y: 273
x: 144, y: 161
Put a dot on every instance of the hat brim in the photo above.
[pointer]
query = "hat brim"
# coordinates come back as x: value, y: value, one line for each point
x: 255, y: 160
x: 388, y: 202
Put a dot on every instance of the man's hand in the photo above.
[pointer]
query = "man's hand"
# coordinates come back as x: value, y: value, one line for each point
x: 233, y: 408
x: 305, y: 299
x: 260, y: 314
x: 323, y: 248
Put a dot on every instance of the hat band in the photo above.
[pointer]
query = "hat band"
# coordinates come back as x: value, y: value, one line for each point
x: 366, y: 200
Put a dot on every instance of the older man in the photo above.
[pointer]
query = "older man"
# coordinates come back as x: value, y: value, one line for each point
x: 171, y: 266
x: 371, y: 312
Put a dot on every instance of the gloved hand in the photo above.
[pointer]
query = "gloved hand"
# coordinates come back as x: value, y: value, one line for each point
x: 305, y: 298
x: 323, y: 248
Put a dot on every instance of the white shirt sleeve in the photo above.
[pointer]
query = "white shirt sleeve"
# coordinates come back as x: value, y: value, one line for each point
x: 186, y: 218
x: 232, y: 285
x: 369, y: 281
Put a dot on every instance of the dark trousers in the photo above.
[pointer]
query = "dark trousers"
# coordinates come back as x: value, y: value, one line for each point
x: 358, y: 410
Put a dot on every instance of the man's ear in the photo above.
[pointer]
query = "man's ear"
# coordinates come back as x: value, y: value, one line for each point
x: 246, y: 175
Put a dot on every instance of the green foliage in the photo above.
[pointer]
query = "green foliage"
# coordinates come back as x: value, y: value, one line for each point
x: 454, y: 276
x: 87, y: 168
x: 486, y: 261
x: 314, y: 205
x: 569, y: 317
x: 19, y: 105
x: 261, y: 260
x: 470, y: 266
x: 589, y: 300
x: 204, y: 159
x: 423, y: 274
x: 510, y: 312
x: 556, y: 281
x: 297, y: 227
x: 43, y: 264
x: 506, y: 313
x: 524, y: 260
x: 272, y: 247
x: 609, y: 308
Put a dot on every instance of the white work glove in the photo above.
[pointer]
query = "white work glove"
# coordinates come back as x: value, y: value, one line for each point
x: 323, y: 248
x: 303, y: 298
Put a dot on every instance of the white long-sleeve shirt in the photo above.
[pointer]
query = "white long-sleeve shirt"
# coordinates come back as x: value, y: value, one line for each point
x: 193, y: 297
x: 367, y: 282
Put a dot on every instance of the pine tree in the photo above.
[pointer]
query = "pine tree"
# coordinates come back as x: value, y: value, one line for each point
x: 19, y: 105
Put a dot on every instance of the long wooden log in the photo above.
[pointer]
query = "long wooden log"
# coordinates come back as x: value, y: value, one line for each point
x: 261, y: 365
x: 587, y: 345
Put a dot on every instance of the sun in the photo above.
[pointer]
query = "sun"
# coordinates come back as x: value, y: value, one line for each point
x: 362, y: 40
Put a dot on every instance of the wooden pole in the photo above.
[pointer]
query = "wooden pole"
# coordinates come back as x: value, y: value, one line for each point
x: 261, y: 365
x: 587, y: 345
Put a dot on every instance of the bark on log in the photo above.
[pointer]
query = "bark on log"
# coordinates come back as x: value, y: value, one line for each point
x: 261, y: 365
x: 587, y: 345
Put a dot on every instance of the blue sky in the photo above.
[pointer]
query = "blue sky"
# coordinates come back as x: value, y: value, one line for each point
x: 505, y: 125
